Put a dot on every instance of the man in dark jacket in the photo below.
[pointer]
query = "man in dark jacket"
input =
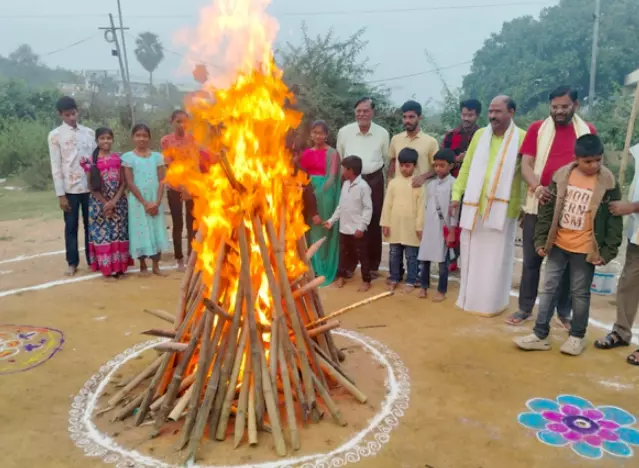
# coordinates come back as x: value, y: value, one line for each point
x: 575, y: 228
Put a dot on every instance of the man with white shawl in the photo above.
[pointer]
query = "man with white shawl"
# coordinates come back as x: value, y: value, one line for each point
x: 490, y: 182
x: 549, y: 145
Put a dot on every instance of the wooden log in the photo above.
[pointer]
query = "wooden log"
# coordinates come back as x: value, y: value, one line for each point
x: 129, y: 408
x: 171, y: 347
x: 146, y: 373
x: 288, y: 399
x: 230, y: 391
x: 178, y: 375
x: 312, y: 250
x: 160, y: 333
x: 242, y: 402
x: 161, y: 314
x: 289, y: 354
x: 180, y: 406
x: 184, y: 286
x: 335, y: 366
x: 348, y: 308
x: 308, y: 287
x: 295, y: 320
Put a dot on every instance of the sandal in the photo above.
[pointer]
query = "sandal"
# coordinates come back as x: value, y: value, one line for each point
x: 611, y: 341
x: 518, y: 318
x: 633, y: 359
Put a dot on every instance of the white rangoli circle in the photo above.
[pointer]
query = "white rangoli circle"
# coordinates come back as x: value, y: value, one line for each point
x: 364, y: 444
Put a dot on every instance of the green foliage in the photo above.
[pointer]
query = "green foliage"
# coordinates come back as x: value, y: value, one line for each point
x: 23, y: 149
x: 19, y: 101
x: 149, y: 52
x: 327, y: 75
x: 529, y: 58
x: 24, y: 65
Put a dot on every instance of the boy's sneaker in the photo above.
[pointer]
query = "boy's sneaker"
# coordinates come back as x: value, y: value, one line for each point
x: 573, y: 346
x: 532, y: 343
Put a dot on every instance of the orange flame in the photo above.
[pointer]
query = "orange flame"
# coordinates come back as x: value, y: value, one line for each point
x: 243, y: 121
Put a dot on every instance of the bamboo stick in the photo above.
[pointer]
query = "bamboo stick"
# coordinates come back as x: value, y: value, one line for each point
x: 171, y: 347
x: 178, y: 375
x: 348, y: 308
x: 207, y: 349
x: 242, y: 402
x: 250, y: 314
x: 332, y: 325
x: 129, y: 409
x: 289, y: 353
x: 252, y: 417
x: 161, y: 314
x: 347, y: 384
x: 180, y: 406
x: 328, y: 401
x: 231, y: 354
x: 295, y: 321
x: 184, y: 287
x: 312, y: 250
x: 328, y: 359
x: 188, y: 381
x: 230, y: 392
x: 308, y: 287
x: 167, y: 358
x: 207, y: 353
x: 158, y: 332
x: 147, y: 372
x: 272, y: 407
x: 288, y: 400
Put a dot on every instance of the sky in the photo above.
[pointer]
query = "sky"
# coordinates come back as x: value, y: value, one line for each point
x: 398, y: 34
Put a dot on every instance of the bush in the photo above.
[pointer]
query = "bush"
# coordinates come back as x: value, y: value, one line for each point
x: 23, y: 143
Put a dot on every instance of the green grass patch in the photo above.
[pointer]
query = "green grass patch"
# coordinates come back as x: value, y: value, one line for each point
x: 26, y: 203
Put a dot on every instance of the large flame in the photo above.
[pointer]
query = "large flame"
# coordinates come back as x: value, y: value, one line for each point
x: 242, y: 121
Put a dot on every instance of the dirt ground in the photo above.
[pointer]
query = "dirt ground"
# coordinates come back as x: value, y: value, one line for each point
x: 468, y: 382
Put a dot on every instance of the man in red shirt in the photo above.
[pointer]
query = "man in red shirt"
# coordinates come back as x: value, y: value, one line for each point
x: 459, y: 138
x: 548, y: 146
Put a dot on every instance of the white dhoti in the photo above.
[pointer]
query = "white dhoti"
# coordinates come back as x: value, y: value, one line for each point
x: 486, y: 269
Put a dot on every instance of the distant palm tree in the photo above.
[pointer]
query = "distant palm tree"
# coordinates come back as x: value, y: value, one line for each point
x: 149, y: 52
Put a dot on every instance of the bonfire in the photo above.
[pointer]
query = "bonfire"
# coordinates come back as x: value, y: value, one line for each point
x: 250, y: 348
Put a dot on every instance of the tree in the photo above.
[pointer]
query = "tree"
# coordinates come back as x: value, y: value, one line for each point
x: 530, y: 57
x: 328, y: 75
x: 149, y: 52
x: 24, y: 55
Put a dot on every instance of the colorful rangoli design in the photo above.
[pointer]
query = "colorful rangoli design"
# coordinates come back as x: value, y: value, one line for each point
x: 24, y: 347
x: 571, y: 421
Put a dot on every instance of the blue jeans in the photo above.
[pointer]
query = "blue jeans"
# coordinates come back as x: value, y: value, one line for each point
x: 581, y: 273
x: 442, y: 285
x: 397, y: 253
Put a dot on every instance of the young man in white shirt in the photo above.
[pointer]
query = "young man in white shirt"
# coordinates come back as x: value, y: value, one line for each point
x: 354, y: 213
x: 69, y: 144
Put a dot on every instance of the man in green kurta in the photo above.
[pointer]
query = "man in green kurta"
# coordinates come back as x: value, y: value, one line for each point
x: 490, y: 182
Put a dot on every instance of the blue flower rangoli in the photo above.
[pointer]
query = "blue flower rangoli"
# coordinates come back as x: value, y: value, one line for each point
x: 590, y: 431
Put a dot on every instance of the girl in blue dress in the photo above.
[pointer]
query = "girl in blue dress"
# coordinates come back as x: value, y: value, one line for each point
x: 144, y: 173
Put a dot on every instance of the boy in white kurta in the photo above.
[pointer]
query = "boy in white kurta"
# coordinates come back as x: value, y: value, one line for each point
x: 434, y: 246
x: 402, y: 221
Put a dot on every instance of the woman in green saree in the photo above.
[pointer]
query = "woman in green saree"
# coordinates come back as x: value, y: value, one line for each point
x: 321, y: 163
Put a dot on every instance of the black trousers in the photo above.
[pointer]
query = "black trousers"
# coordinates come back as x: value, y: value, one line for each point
x: 352, y: 251
x: 77, y: 202
x: 176, y: 206
x: 374, y: 232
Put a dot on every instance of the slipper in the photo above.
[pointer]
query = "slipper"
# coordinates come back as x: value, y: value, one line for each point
x: 633, y: 360
x: 518, y: 318
x: 610, y: 341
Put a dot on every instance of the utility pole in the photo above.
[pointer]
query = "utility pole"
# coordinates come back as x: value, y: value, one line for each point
x: 111, y: 36
x: 593, y: 60
x: 126, y: 56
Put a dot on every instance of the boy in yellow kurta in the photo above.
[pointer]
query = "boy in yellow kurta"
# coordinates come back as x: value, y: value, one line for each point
x: 402, y: 221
